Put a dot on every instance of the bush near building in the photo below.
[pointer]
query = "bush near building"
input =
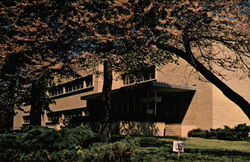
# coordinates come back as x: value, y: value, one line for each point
x: 238, y: 133
x: 81, y: 144
x: 45, y: 144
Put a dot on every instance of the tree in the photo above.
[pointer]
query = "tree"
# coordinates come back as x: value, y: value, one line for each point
x: 13, y: 94
x: 145, y: 32
x: 11, y: 98
x: 196, y: 27
x: 23, y: 38
x: 106, y: 127
x: 38, y: 46
x: 186, y: 29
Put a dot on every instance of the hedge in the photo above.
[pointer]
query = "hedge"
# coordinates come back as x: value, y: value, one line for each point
x: 238, y: 133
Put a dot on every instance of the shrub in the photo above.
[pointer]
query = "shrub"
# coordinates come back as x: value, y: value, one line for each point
x: 44, y: 144
x: 243, y: 131
x: 38, y: 155
x: 45, y: 138
x: 238, y: 133
x: 198, y: 133
x: 41, y: 138
x: 27, y: 128
x: 118, y: 151
x: 9, y: 144
x: 64, y: 155
x: 79, y: 136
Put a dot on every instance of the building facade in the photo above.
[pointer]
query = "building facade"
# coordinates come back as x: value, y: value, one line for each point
x: 164, y: 101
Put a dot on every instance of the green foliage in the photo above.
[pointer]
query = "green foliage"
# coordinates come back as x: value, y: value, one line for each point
x: 238, y: 133
x: 155, y: 149
x: 64, y: 155
x: 27, y: 128
x: 38, y: 155
x: 198, y: 133
x: 41, y: 138
x: 8, y: 146
x: 196, y: 149
x: 52, y: 140
x: 10, y: 140
x: 120, y: 150
x: 44, y: 144
x: 79, y: 136
x: 78, y: 144
x: 45, y: 155
x: 152, y: 142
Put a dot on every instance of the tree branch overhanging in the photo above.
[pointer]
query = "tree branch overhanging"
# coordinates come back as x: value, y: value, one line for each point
x: 227, y: 91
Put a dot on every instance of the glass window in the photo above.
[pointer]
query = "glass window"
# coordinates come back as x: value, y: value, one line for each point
x: 88, y: 81
x: 72, y: 86
x: 140, y: 76
x: 131, y: 79
x: 56, y: 91
x: 26, y: 119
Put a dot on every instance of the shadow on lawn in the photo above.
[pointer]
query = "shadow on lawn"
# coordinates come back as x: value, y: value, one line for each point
x: 217, y: 152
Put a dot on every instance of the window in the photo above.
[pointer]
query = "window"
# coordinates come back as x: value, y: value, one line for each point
x: 56, y: 91
x: 140, y: 76
x: 89, y: 81
x: 53, y: 117
x: 26, y: 119
x: 50, y: 118
x: 75, y: 85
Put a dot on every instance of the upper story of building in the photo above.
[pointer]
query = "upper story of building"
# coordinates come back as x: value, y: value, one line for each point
x: 91, y: 82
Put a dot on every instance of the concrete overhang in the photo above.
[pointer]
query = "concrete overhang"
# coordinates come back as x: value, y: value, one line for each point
x: 151, y: 86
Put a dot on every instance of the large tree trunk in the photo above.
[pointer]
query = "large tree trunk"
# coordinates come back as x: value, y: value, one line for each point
x: 36, y: 103
x: 6, y: 118
x: 227, y: 91
x: 7, y: 104
x: 106, y: 124
x: 7, y: 108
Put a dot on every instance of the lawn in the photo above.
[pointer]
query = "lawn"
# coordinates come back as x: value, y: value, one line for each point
x: 197, y: 149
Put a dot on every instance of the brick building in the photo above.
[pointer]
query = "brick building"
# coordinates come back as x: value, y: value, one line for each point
x: 168, y: 100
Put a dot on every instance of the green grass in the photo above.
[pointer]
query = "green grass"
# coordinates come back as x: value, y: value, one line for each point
x: 196, y: 149
x: 200, y: 143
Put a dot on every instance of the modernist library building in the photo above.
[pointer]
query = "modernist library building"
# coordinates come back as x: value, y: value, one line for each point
x: 172, y: 99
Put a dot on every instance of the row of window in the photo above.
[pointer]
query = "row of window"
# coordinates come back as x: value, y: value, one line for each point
x: 56, y: 118
x: 142, y: 75
x: 78, y: 84
x: 26, y: 119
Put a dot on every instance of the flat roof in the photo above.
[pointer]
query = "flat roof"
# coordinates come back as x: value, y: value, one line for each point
x: 159, y: 86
